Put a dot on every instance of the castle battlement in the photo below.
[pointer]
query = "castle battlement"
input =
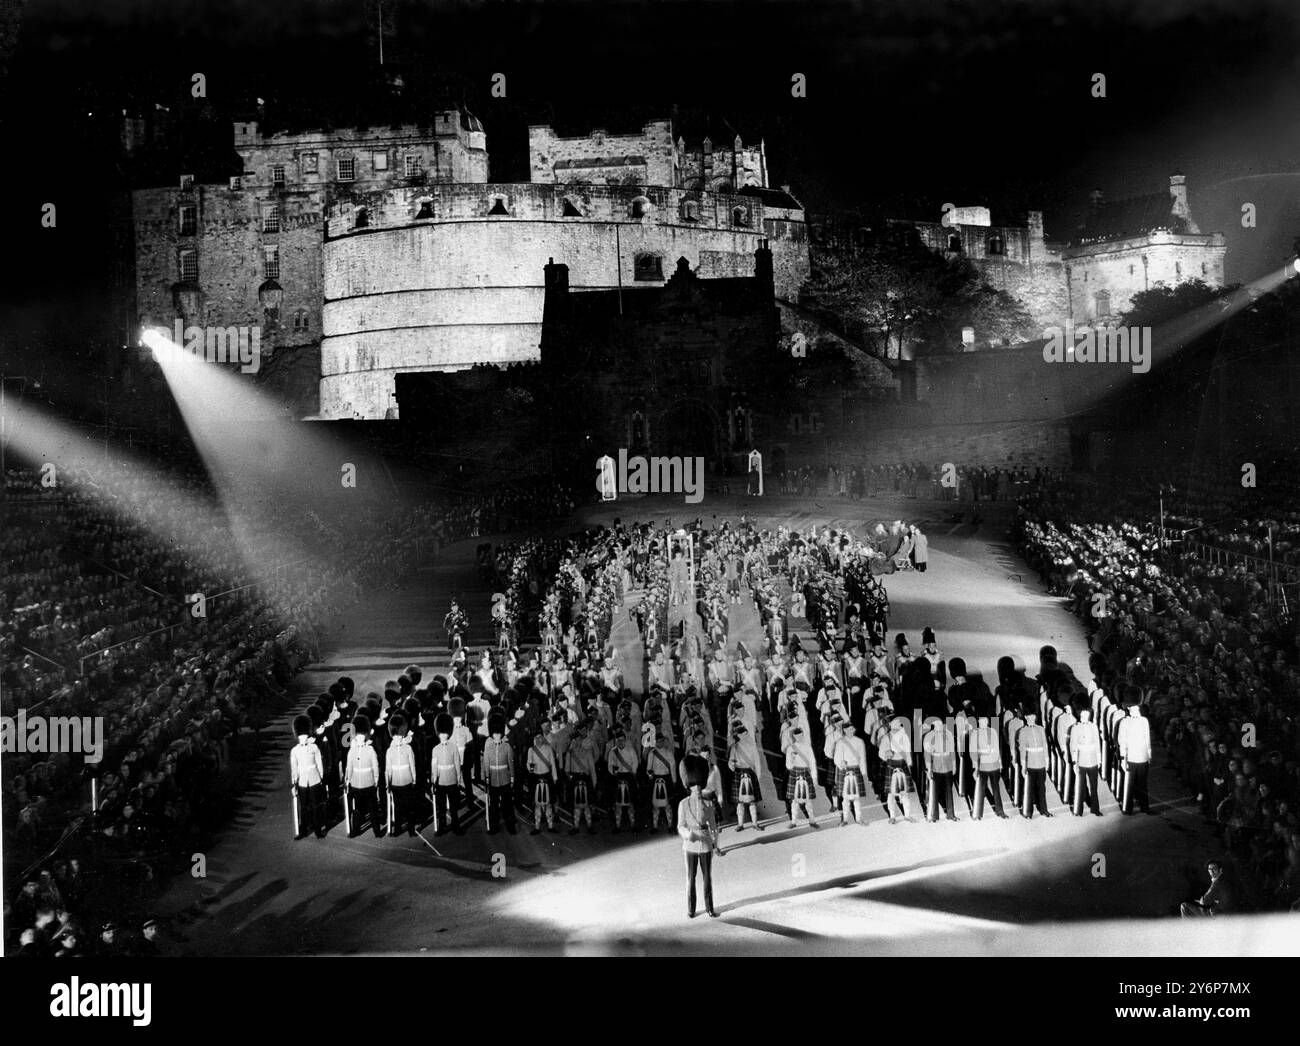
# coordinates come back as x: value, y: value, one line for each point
x: 576, y: 204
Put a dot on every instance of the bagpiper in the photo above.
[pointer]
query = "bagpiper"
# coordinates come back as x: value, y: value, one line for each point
x: 850, y: 758
x: 541, y: 771
x: 742, y: 760
x: 660, y: 769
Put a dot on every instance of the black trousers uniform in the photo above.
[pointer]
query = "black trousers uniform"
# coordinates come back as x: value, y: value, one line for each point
x: 696, y: 863
x: 446, y: 800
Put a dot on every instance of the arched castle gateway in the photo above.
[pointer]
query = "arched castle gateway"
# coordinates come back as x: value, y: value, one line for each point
x: 442, y: 276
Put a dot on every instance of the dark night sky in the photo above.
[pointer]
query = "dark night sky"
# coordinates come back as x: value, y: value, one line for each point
x: 909, y: 101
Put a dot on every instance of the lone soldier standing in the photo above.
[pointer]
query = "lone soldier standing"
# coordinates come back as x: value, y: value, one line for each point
x: 499, y: 772
x: 1032, y: 746
x: 1085, y: 756
x: 698, y: 829
x: 1135, y: 756
x: 941, y: 764
x: 307, y: 769
x: 447, y: 778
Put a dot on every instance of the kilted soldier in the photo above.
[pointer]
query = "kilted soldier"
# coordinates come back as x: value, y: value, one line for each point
x: 941, y: 765
x: 850, y: 758
x: 986, y: 757
x: 623, y: 762
x: 361, y: 780
x: 801, y: 771
x: 611, y: 680
x: 580, y: 771
x: 661, y: 671
x: 660, y: 768
x: 447, y: 778
x: 655, y: 710
x: 833, y: 724
x: 1085, y: 758
x: 903, y: 657
x: 878, y: 660
x: 498, y: 772
x: 721, y: 679
x: 307, y: 771
x: 896, y: 754
x: 400, y: 774
x: 931, y: 652
x: 628, y: 716
x: 1031, y: 744
x: 542, y: 777
x: 742, y: 760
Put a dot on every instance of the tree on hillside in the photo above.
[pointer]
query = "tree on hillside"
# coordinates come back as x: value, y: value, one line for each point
x: 899, y: 299
x: 1162, y: 304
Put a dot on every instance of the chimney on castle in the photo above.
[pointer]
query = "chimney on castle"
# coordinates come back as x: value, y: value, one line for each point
x: 1178, y: 196
x: 557, y: 276
x: 763, y: 269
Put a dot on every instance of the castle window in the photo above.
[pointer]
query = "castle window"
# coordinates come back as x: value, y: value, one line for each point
x: 277, y: 175
x: 1178, y: 270
x: 499, y: 206
x: 360, y: 218
x: 996, y: 245
x: 1130, y: 270
x: 379, y: 160
x: 570, y: 209
x: 236, y: 182
x: 271, y: 219
x: 187, y: 263
x: 347, y: 168
x: 1204, y: 269
x: 187, y: 219
x: 640, y: 207
x: 310, y: 163
x: 414, y: 166
x: 271, y: 263
x: 648, y: 267
x: 739, y: 216
x: 690, y: 210
x: 187, y: 182
x: 426, y: 209
x: 954, y: 243
x: 300, y: 320
x: 1103, y: 304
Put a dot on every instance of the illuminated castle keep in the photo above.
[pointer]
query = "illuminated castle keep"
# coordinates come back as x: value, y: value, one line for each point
x: 368, y: 253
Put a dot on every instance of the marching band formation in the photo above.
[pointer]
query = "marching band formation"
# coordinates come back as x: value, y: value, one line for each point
x: 555, y: 732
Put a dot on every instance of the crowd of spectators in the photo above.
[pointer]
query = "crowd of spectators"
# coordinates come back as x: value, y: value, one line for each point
x: 943, y: 481
x: 1214, y: 651
x: 94, y: 622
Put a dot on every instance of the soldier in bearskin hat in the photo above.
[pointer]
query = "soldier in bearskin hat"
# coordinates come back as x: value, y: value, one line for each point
x: 498, y: 772
x: 307, y: 771
x: 361, y: 780
x: 447, y: 777
x: 401, y: 776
